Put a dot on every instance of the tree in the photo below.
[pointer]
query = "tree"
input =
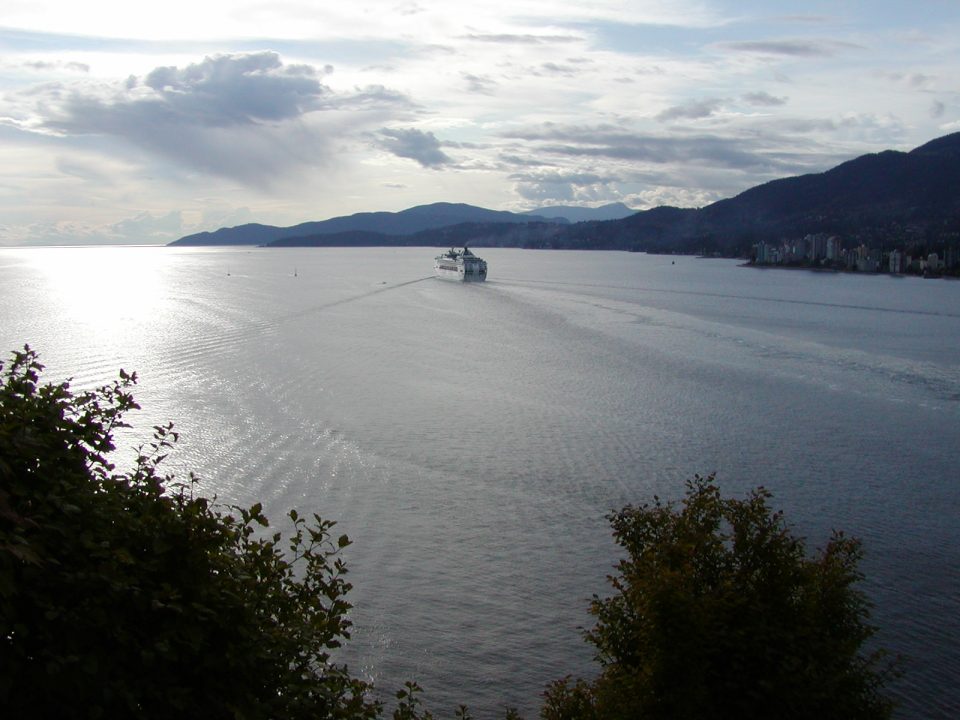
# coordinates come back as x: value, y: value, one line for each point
x: 125, y: 594
x: 717, y: 612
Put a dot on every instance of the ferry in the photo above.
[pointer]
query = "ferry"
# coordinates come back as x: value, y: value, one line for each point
x: 460, y: 265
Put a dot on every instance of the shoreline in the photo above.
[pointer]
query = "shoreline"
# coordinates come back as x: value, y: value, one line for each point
x: 842, y: 271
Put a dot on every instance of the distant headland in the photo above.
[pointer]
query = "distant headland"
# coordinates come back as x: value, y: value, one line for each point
x: 896, y: 211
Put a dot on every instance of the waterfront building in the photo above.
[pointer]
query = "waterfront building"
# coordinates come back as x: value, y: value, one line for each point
x: 896, y: 261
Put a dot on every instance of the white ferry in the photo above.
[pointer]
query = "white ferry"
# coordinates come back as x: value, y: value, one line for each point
x: 460, y: 265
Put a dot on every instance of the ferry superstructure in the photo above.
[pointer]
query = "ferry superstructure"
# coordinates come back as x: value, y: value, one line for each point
x: 460, y: 265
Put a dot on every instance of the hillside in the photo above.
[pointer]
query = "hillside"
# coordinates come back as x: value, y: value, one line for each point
x: 888, y: 199
x: 405, y: 222
x: 612, y: 211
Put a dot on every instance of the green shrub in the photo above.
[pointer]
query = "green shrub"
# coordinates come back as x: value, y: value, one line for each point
x: 717, y: 612
x: 124, y: 594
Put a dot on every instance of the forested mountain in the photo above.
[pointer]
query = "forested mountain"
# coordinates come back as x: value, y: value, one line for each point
x: 891, y: 198
x: 884, y: 199
x: 405, y: 222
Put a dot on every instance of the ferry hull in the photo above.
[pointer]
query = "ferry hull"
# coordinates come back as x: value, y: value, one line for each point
x: 460, y: 265
x: 460, y: 275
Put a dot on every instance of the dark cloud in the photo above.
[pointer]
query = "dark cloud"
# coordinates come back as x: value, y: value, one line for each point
x: 514, y: 160
x: 764, y: 99
x: 551, y: 68
x: 806, y: 125
x: 937, y: 109
x: 693, y: 110
x: 748, y: 153
x: 479, y: 84
x: 237, y: 89
x: 415, y: 145
x: 792, y: 48
x: 249, y: 117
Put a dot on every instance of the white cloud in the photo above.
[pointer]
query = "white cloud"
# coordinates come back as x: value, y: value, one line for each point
x: 248, y: 117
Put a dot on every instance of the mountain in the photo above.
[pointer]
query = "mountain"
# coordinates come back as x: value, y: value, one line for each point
x: 405, y: 222
x: 613, y: 211
x: 885, y: 199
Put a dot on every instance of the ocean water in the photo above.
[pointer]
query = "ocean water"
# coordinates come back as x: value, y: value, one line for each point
x: 471, y: 438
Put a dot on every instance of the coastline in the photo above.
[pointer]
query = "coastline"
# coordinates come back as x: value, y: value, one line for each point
x: 843, y: 271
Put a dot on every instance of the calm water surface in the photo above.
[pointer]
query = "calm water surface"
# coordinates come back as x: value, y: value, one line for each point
x: 471, y: 438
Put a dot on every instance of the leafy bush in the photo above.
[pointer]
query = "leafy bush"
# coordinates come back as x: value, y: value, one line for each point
x: 124, y: 594
x: 717, y: 612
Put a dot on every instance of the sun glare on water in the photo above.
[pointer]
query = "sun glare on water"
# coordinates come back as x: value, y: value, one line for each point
x: 110, y: 293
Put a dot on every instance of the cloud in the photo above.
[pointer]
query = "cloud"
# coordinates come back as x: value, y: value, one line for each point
x: 510, y: 39
x: 479, y: 84
x: 44, y: 65
x: 565, y: 187
x: 763, y: 153
x: 918, y: 81
x: 512, y: 160
x: 148, y: 228
x: 415, y: 145
x: 237, y: 89
x: 937, y: 109
x: 693, y: 110
x: 248, y: 117
x: 144, y: 228
x: 566, y: 178
x: 764, y: 99
x: 87, y: 170
x: 807, y: 19
x: 791, y: 48
x: 552, y: 68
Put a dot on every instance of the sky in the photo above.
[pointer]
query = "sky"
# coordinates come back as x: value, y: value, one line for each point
x: 138, y: 123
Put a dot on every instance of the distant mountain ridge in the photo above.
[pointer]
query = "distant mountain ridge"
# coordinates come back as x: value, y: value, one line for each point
x: 886, y: 199
x: 889, y: 198
x: 389, y: 224
x: 612, y: 211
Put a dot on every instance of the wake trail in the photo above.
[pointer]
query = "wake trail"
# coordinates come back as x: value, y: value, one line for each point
x: 343, y: 301
x: 731, y: 296
x: 191, y: 353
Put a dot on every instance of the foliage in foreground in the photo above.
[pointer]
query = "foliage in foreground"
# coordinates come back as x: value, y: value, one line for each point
x: 719, y: 613
x: 122, y: 594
